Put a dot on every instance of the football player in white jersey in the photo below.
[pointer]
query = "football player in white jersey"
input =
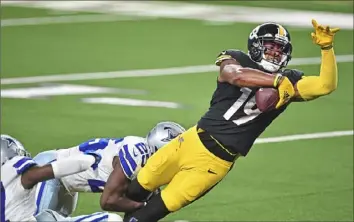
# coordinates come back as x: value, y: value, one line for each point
x: 20, y: 175
x: 121, y: 160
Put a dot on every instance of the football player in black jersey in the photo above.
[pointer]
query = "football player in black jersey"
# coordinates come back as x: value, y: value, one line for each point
x: 194, y: 162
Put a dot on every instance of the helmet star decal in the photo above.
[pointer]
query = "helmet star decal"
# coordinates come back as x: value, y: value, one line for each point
x: 171, y: 134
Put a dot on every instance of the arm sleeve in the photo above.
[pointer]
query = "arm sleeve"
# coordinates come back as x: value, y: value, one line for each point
x: 311, y: 87
x: 72, y: 165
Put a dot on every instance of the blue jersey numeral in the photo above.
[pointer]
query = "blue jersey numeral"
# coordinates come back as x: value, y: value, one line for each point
x: 97, y: 144
x: 129, y: 158
x: 144, y: 152
x: 126, y: 159
x: 142, y: 148
x: 94, y: 144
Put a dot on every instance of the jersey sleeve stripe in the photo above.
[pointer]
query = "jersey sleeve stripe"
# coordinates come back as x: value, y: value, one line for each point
x: 221, y: 58
x: 2, y: 203
x: 126, y: 169
x: 129, y: 158
x: 39, y: 197
x: 25, y: 167
x: 21, y: 161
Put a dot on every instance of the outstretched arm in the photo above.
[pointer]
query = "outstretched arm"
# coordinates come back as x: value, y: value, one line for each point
x: 113, y: 197
x: 312, y: 87
x: 58, y: 169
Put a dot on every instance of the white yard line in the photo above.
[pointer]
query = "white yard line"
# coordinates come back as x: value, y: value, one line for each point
x: 131, y: 102
x: 147, y: 72
x: 304, y: 136
x: 67, y: 19
x: 185, y: 10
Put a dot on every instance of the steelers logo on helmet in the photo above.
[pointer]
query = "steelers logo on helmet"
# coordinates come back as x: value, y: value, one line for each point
x: 269, y: 44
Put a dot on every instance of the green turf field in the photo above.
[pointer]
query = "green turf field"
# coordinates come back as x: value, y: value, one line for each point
x: 306, y: 180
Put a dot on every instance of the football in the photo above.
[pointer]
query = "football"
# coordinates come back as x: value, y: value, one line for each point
x: 267, y: 99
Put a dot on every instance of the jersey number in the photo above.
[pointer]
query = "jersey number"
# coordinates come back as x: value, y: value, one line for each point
x: 247, y: 109
x: 93, y: 145
x: 96, y: 144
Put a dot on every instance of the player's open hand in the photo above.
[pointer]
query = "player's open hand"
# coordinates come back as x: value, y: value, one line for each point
x: 323, y: 35
x: 286, y: 92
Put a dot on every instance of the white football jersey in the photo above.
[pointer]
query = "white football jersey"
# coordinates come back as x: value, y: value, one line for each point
x: 17, y: 203
x: 132, y: 151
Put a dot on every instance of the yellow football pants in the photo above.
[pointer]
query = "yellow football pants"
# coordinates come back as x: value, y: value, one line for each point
x: 189, y: 169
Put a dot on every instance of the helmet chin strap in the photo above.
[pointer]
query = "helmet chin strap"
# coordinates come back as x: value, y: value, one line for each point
x: 270, y: 67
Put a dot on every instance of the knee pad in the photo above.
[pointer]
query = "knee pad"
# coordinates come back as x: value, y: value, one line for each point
x: 114, y: 218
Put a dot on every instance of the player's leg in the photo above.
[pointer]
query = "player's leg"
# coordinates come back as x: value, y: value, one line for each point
x: 199, y: 172
x: 152, y: 212
x: 186, y: 187
x: 51, y: 194
x: 45, y: 157
x: 47, y: 195
x: 47, y: 191
x: 159, y: 170
x: 67, y: 202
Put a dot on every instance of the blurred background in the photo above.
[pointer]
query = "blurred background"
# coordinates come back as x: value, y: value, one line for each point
x: 72, y: 71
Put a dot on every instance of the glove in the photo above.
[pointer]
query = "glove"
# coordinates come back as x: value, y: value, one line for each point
x: 97, y: 157
x: 285, y: 89
x: 323, y: 36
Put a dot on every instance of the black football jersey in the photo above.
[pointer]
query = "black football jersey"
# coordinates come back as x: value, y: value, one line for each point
x: 233, y: 117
